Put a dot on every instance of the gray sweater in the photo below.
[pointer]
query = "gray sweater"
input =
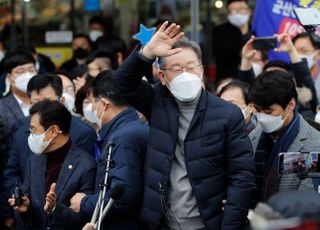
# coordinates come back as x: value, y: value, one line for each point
x: 182, y: 202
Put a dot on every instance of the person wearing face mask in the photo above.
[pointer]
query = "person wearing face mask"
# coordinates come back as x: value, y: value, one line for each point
x: 228, y: 38
x: 19, y: 67
x: 280, y: 129
x: 309, y: 49
x: 58, y: 169
x: 237, y: 92
x: 199, y: 139
x: 307, y: 94
x: 68, y: 92
x: 81, y: 46
x: 120, y: 125
x: 41, y: 87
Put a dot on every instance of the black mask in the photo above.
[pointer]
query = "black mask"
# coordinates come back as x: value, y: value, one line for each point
x: 80, y: 53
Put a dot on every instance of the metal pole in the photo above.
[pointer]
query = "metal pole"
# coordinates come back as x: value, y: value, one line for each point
x: 24, y: 23
x: 72, y: 16
x: 194, y: 13
x: 13, y: 28
x: 208, y: 31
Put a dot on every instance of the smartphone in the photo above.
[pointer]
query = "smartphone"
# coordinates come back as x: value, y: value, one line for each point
x: 264, y: 43
x: 299, y: 162
x: 307, y: 16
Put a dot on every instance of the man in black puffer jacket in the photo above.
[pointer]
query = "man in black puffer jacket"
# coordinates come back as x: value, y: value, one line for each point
x: 198, y: 152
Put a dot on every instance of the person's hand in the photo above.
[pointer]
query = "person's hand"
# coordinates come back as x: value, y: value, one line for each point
x: 162, y: 41
x: 286, y: 45
x: 247, y: 54
x: 89, y: 226
x: 9, y: 223
x: 24, y: 204
x: 76, y: 201
x: 51, y: 199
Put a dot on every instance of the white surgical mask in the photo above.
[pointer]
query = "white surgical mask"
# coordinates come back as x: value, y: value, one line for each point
x: 310, y: 59
x: 95, y: 34
x: 2, y: 55
x: 245, y: 113
x: 185, y: 87
x: 238, y: 19
x: 270, y: 123
x: 68, y: 101
x: 257, y: 69
x: 37, y: 144
x: 21, y: 81
x: 98, y: 120
x: 317, y: 117
x: 88, y: 114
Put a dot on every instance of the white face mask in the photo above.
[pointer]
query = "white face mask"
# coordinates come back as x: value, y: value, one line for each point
x: 37, y: 144
x: 317, y: 117
x: 98, y: 120
x: 270, y: 123
x: 68, y: 101
x: 2, y: 55
x: 88, y: 114
x: 257, y: 69
x: 95, y: 34
x: 310, y: 59
x: 238, y: 19
x: 185, y: 87
x: 245, y: 112
x: 21, y: 81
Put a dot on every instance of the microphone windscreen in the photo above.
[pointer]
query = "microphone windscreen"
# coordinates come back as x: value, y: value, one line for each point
x: 117, y: 192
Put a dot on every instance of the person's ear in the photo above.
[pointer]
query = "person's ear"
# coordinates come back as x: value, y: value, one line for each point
x: 10, y: 78
x: 292, y: 104
x: 250, y: 108
x: 119, y: 58
x: 162, y: 77
x: 62, y: 100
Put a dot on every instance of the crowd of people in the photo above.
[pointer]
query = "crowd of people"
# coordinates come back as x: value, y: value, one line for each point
x: 186, y: 157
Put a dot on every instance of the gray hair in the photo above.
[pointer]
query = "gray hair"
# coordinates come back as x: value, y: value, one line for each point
x: 184, y: 43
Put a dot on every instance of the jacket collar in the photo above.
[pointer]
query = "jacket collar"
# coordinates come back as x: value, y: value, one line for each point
x: 124, y: 117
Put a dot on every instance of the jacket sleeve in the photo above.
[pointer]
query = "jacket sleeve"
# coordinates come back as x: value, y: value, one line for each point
x: 303, y: 77
x: 136, y: 91
x: 241, y: 189
x: 127, y: 171
x: 12, y: 174
x: 246, y: 76
x: 66, y: 217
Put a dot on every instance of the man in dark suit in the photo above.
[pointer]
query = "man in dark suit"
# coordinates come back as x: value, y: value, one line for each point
x: 120, y: 125
x: 58, y: 169
x: 39, y: 88
x: 19, y: 67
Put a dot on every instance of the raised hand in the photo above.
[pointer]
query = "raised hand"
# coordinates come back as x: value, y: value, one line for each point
x: 247, y: 54
x: 21, y: 208
x: 162, y: 41
x: 286, y: 45
x: 51, y: 199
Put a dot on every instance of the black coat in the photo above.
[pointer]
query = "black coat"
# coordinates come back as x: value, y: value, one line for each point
x: 218, y: 153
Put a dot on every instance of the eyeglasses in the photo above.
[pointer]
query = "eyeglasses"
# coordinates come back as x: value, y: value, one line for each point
x: 179, y: 69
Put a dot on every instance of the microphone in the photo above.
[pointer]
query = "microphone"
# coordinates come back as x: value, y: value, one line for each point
x: 116, y: 194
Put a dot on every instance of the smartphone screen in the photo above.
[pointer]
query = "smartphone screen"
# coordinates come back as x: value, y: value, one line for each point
x: 307, y: 16
x: 297, y: 162
x: 264, y: 43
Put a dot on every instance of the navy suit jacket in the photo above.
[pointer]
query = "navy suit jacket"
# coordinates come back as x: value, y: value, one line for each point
x: 81, y: 134
x: 12, y: 117
x: 77, y: 175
